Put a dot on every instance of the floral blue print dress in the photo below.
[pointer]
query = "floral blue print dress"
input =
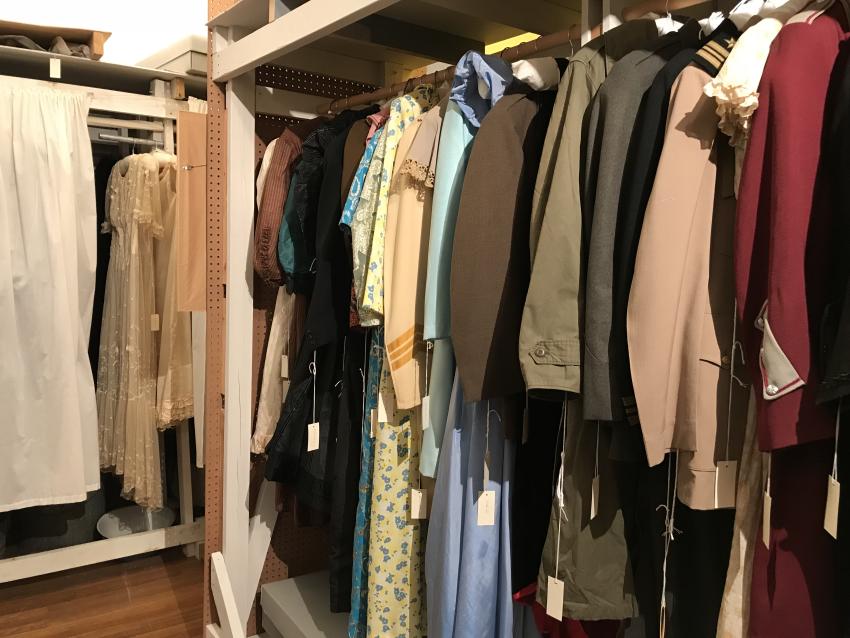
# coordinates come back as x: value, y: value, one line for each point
x: 396, y: 600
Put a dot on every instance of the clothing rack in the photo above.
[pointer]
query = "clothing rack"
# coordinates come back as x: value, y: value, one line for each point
x: 162, y: 110
x: 511, y: 54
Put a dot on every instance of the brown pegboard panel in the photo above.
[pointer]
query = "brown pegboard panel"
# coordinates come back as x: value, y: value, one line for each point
x: 298, y: 81
x: 214, y: 373
x: 269, y: 126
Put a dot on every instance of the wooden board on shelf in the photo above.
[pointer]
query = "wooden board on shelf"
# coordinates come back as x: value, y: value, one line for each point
x: 43, y: 35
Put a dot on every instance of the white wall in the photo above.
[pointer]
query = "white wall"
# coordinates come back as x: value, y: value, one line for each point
x: 139, y: 29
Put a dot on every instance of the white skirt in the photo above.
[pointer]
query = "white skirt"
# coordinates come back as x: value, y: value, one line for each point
x: 48, y: 231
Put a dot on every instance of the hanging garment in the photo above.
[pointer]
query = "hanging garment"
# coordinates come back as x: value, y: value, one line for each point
x: 312, y: 395
x: 736, y: 86
x: 461, y: 121
x: 101, y: 181
x: 174, y: 384
x: 680, y: 318
x: 406, y: 254
x: 782, y: 270
x: 490, y: 261
x: 47, y: 251
x: 308, y: 177
x: 127, y: 370
x: 396, y: 602
x: 346, y: 470
x: 781, y: 276
x: 284, y: 336
x: 610, y: 122
x: 589, y: 554
x: 468, y: 566
x: 734, y: 618
x: 549, y: 347
x: 639, y: 171
x: 537, y: 464
x: 360, y: 571
x: 460, y: 124
x: 280, y: 156
x: 362, y: 224
x: 835, y: 157
x: 403, y: 112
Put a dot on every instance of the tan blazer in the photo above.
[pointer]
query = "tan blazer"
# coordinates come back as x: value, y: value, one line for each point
x: 681, y: 307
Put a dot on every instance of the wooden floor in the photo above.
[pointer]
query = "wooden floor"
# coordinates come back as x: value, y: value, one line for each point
x: 155, y: 596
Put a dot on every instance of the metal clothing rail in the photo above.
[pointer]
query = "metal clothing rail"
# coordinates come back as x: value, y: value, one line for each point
x: 511, y: 54
x: 189, y: 532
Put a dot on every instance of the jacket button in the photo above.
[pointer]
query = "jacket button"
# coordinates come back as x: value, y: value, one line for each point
x: 771, y: 389
x: 540, y: 352
x: 724, y: 359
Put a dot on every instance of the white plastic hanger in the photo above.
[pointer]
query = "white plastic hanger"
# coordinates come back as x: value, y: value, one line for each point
x: 710, y: 23
x: 667, y: 24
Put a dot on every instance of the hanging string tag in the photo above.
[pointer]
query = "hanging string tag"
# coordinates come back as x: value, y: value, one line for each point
x: 313, y: 431
x: 594, y: 487
x: 487, y: 497
x: 55, y: 68
x: 554, y: 585
x: 154, y: 323
x: 830, y: 519
x: 555, y: 598
x: 284, y: 366
x: 426, y: 400
x: 765, y: 512
x: 418, y: 500
x: 726, y: 472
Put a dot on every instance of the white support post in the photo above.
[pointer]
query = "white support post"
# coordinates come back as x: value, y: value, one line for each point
x: 161, y: 88
x: 240, y: 97
x: 230, y: 624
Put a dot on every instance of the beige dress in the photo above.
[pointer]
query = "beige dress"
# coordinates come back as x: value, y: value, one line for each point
x: 127, y: 371
x: 174, y: 390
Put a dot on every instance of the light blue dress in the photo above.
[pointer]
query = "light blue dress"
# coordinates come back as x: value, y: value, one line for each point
x: 467, y: 566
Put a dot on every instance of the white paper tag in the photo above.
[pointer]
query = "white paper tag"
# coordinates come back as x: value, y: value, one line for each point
x: 385, y: 408
x: 555, y: 598
x: 725, y: 484
x: 486, y: 508
x: 373, y: 423
x: 284, y: 366
x: 426, y: 412
x: 765, y: 520
x: 55, y: 68
x: 830, y: 518
x: 313, y: 437
x: 594, y: 497
x: 154, y: 323
x: 418, y: 504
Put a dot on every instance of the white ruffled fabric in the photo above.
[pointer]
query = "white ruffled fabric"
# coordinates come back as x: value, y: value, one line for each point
x: 735, y: 88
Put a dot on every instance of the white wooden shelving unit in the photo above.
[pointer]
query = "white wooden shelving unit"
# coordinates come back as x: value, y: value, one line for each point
x: 114, y: 90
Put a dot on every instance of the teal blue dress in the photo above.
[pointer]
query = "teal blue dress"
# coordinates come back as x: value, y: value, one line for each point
x: 360, y: 570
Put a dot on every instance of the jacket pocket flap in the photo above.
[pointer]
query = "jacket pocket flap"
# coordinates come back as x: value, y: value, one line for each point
x: 557, y: 353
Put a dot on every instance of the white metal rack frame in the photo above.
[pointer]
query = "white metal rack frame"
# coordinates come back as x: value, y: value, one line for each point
x: 162, y: 109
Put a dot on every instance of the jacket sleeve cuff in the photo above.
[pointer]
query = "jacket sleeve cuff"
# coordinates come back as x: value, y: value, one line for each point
x: 552, y: 365
x: 779, y: 377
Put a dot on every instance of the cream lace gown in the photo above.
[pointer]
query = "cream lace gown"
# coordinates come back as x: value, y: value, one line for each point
x: 174, y: 385
x: 48, y: 233
x: 127, y: 370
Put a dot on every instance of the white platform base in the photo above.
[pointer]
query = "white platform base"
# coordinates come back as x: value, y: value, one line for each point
x: 298, y: 608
